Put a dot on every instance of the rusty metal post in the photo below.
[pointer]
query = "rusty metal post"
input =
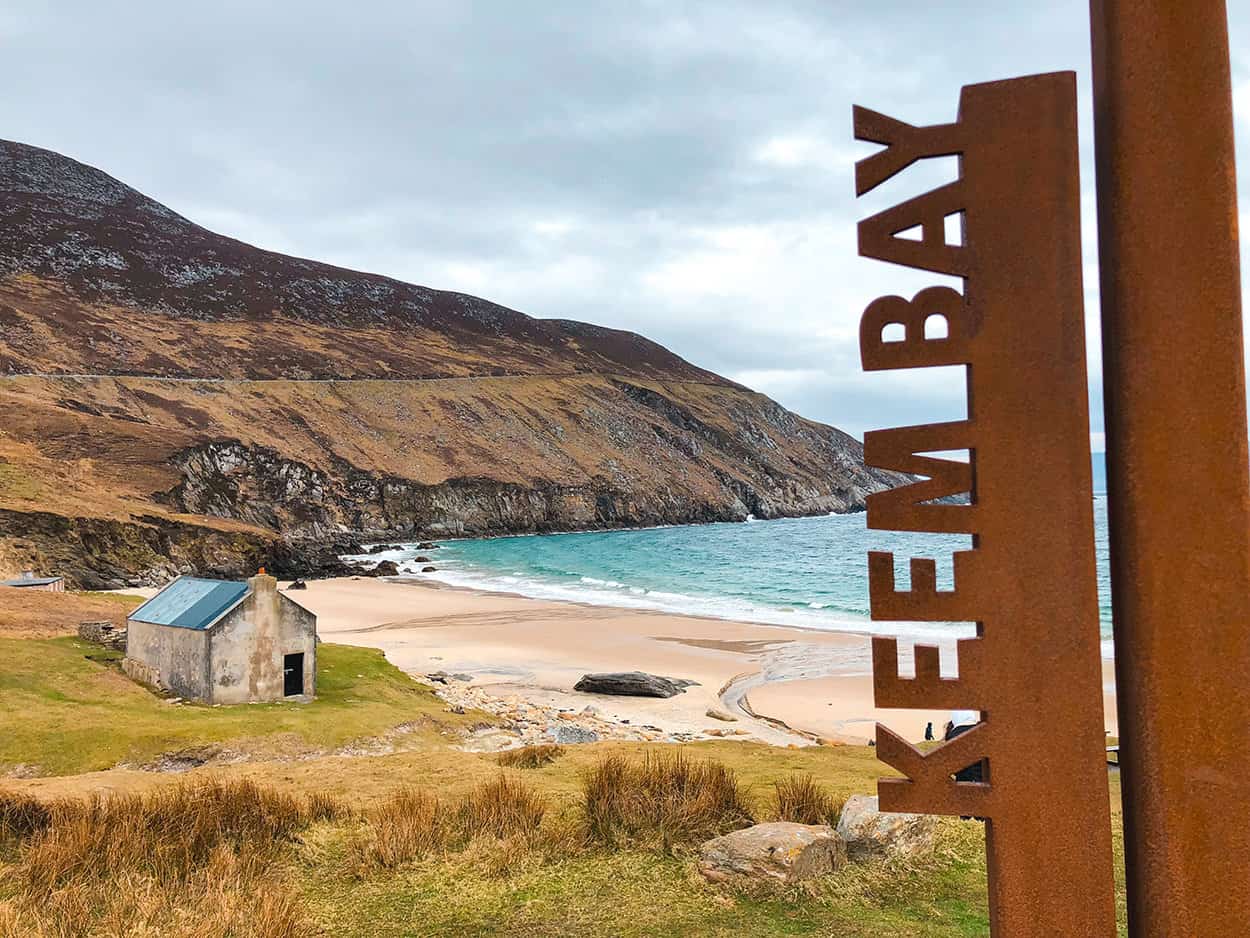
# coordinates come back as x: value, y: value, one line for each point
x: 1035, y: 668
x: 1179, y: 489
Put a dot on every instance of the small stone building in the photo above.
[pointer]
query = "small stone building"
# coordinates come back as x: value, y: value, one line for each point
x: 28, y: 580
x: 224, y: 642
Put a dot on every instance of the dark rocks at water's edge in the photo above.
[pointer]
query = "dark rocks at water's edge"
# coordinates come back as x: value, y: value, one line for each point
x: 384, y: 568
x: 631, y: 684
x: 147, y: 550
x: 383, y: 548
x: 429, y: 569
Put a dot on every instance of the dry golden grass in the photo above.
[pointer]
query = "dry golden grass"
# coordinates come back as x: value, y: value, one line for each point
x: 168, y: 833
x: 322, y: 807
x: 503, y: 807
x: 26, y: 613
x: 199, y: 860
x: 412, y: 825
x: 408, y: 826
x: 670, y: 800
x: 801, y: 799
x: 530, y: 757
x: 22, y: 816
x: 232, y: 895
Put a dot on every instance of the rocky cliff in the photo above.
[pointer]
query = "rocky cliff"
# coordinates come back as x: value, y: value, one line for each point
x: 172, y: 400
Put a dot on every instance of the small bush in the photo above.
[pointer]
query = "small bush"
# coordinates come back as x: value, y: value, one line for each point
x: 666, y: 798
x: 501, y: 808
x: 22, y: 816
x: 530, y: 757
x: 801, y: 800
x: 322, y: 807
x: 412, y: 825
x: 408, y: 826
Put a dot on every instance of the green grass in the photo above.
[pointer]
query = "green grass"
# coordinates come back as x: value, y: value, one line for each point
x: 67, y: 714
x: 121, y: 599
x: 637, y: 893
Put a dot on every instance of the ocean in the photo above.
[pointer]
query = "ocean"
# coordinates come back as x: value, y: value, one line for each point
x: 806, y: 572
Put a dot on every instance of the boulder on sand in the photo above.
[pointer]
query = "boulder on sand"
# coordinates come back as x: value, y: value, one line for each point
x: 869, y: 832
x: 629, y: 684
x: 779, y: 851
x: 385, y: 568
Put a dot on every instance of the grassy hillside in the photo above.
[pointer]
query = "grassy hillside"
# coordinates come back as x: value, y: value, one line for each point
x: 174, y: 400
x: 348, y: 856
x: 65, y: 708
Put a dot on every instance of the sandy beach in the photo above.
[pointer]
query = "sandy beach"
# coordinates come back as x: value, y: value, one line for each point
x: 521, y: 657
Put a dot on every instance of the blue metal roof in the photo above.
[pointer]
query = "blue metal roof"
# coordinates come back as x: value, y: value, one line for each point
x: 190, y: 602
x: 31, y: 581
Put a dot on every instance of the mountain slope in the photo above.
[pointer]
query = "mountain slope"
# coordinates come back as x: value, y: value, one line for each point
x: 174, y: 400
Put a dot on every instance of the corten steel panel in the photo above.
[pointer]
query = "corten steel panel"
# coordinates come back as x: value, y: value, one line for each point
x: 1035, y: 671
x: 1176, y: 460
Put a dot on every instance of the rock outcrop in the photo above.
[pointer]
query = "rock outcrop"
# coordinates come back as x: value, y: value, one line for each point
x: 869, y: 832
x: 778, y: 851
x: 177, y: 401
x: 629, y: 684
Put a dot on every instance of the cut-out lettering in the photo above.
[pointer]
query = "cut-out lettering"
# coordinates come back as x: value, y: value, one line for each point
x: 916, y: 349
x: 904, y: 145
x: 1033, y: 673
x: 878, y: 234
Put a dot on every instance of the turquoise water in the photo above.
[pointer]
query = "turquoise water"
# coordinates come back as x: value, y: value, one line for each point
x: 809, y: 572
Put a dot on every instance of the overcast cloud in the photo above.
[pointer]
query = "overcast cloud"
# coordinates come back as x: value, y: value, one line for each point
x: 680, y: 169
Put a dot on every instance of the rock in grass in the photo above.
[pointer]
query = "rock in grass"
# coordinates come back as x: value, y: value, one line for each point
x: 869, y: 832
x: 780, y: 851
x: 628, y: 684
x: 571, y: 735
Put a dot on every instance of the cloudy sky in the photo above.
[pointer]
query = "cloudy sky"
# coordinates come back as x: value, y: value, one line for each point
x: 683, y: 169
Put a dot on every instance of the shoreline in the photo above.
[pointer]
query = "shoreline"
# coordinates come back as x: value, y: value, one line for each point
x: 519, y: 657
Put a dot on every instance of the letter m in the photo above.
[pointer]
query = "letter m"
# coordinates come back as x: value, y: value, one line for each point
x: 917, y: 506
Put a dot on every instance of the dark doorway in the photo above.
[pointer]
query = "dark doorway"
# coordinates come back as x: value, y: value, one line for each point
x: 293, y: 675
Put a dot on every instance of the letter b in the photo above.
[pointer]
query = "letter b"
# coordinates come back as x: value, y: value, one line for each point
x: 914, y: 350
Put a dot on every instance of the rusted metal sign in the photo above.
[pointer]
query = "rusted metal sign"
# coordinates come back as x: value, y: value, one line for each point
x: 1177, y: 476
x: 1034, y: 671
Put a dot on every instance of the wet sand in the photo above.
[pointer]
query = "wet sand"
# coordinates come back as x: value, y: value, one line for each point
x: 785, y: 686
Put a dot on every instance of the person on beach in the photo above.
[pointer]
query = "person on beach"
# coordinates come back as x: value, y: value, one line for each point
x: 960, y: 722
x: 928, y: 732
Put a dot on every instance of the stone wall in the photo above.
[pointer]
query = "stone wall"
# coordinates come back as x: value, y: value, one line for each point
x: 103, y: 633
x: 173, y: 659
